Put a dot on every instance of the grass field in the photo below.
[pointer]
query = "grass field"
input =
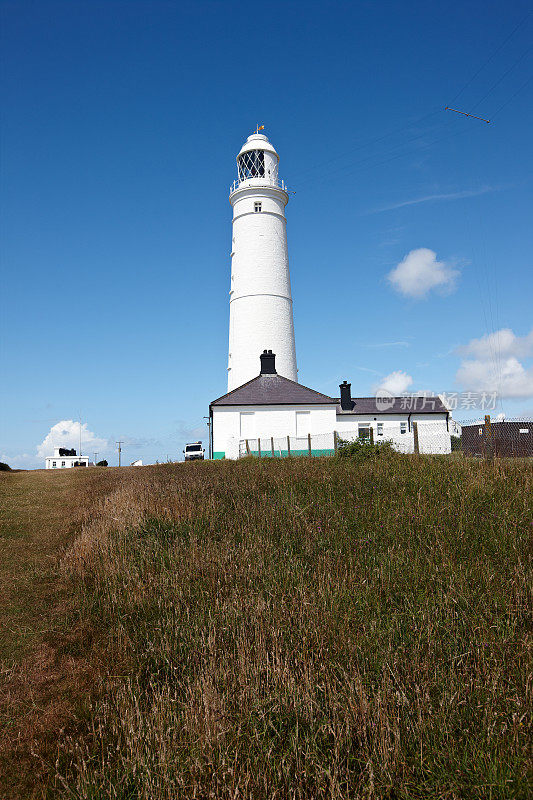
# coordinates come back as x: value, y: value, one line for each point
x: 302, y: 628
x: 47, y: 667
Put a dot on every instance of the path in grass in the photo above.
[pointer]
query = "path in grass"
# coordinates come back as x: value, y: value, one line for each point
x: 43, y: 666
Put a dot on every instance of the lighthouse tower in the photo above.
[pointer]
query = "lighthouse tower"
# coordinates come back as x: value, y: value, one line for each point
x: 260, y: 295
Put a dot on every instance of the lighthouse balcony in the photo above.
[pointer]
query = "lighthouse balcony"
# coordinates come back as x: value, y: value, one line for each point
x: 257, y: 182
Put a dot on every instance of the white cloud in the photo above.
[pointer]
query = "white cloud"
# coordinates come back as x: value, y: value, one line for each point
x: 396, y: 383
x: 495, y: 366
x: 508, y: 377
x: 420, y: 272
x: 19, y: 460
x: 498, y: 344
x: 67, y: 434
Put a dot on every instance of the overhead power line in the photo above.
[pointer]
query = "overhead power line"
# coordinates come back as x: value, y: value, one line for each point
x: 348, y: 163
x: 370, y: 163
x: 513, y: 96
x: 505, y: 74
x: 303, y: 174
x: 447, y: 108
x: 489, y: 59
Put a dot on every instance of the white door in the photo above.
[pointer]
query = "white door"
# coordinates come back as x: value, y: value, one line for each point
x: 303, y: 423
x: 247, y: 425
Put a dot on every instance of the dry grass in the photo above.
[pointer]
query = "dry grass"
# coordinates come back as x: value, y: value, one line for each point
x: 307, y: 629
x: 47, y: 659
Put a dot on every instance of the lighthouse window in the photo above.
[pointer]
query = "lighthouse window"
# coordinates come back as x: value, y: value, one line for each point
x: 251, y: 165
x: 257, y: 207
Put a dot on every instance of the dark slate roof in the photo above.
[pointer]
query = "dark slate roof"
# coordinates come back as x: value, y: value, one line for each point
x: 272, y: 390
x: 394, y: 405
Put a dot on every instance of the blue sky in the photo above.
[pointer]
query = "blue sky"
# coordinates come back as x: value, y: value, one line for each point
x: 121, y: 125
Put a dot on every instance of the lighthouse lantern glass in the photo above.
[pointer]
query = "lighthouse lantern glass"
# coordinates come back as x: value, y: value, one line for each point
x: 251, y: 165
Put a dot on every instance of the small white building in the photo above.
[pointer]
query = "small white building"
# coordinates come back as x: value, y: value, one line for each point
x: 64, y: 458
x: 272, y: 415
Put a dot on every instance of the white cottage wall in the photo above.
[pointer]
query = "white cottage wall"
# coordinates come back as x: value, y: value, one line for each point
x: 433, y: 435
x: 229, y: 427
x: 64, y: 462
x: 269, y: 421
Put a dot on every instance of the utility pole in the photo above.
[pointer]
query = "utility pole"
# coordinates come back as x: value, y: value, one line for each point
x: 95, y: 455
x: 119, y: 451
x: 208, y: 423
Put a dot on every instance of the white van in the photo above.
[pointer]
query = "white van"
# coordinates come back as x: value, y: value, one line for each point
x: 194, y: 451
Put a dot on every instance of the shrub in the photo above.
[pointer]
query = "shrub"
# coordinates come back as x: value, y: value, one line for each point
x: 102, y: 463
x: 362, y: 449
x: 457, y: 443
x: 4, y: 467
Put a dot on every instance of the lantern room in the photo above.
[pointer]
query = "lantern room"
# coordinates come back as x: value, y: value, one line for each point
x: 257, y: 162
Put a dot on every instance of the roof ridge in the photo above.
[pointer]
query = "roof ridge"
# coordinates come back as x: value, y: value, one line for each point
x: 222, y: 396
x: 394, y: 396
x: 303, y: 386
x: 271, y: 384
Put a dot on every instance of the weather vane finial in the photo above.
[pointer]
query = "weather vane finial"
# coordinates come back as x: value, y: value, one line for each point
x: 259, y: 128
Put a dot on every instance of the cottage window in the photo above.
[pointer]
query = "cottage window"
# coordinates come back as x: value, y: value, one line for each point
x: 257, y: 207
x: 403, y: 427
x: 380, y: 429
x: 247, y: 424
x: 364, y: 431
x: 53, y: 463
x: 303, y: 423
x: 62, y: 463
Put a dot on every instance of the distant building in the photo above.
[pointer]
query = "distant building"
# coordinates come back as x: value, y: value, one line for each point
x: 137, y: 463
x: 499, y: 438
x: 64, y: 458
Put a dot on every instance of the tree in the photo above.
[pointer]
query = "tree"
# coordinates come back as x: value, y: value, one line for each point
x: 102, y: 463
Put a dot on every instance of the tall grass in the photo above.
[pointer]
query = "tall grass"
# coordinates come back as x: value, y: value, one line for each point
x: 308, y: 628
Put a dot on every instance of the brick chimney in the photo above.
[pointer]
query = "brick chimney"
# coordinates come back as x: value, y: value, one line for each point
x: 346, y: 396
x: 268, y: 363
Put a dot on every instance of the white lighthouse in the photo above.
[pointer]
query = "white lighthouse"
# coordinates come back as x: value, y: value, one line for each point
x: 260, y: 295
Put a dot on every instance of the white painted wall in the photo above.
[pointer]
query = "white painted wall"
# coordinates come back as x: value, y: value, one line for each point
x: 266, y: 421
x: 64, y: 462
x: 261, y: 315
x: 233, y: 424
x: 433, y: 436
